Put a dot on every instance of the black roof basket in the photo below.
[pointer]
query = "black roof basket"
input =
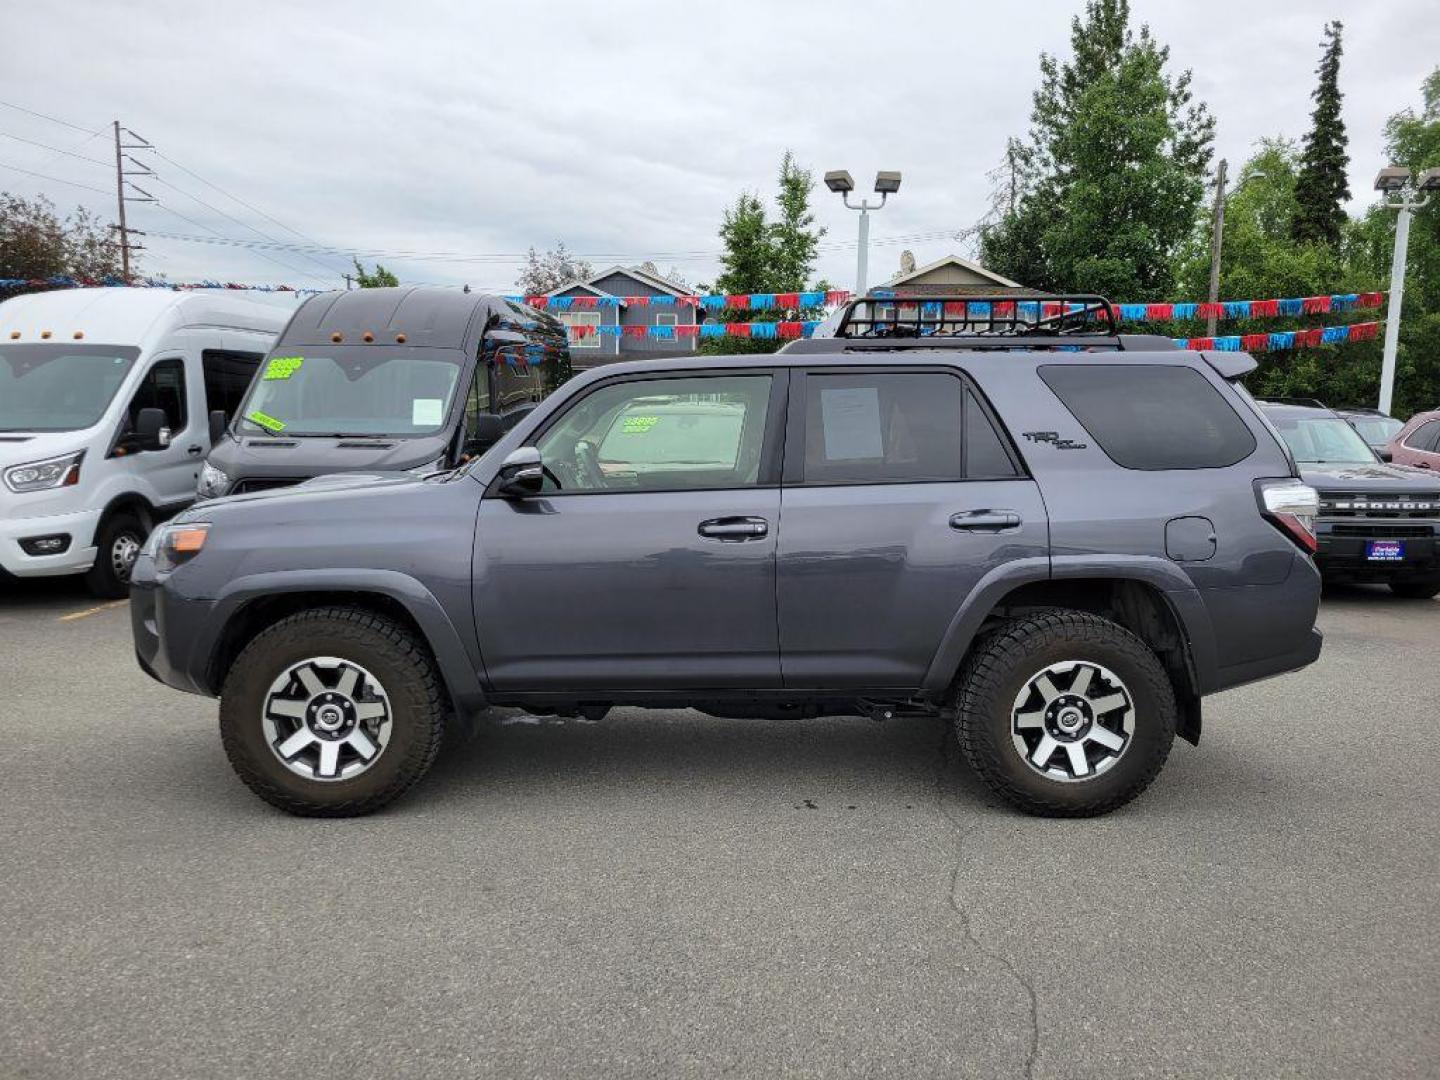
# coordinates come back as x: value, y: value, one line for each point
x: 977, y: 316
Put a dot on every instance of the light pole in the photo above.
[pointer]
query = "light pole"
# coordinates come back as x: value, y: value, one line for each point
x: 1217, y: 234
x: 886, y: 184
x: 1395, y: 180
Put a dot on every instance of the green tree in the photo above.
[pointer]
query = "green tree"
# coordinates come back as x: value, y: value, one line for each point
x: 1107, y: 185
x: 1321, y: 190
x: 796, y: 239
x: 36, y: 243
x: 379, y: 278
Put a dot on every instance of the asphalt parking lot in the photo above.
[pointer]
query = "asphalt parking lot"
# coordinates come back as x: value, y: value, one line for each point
x: 666, y: 895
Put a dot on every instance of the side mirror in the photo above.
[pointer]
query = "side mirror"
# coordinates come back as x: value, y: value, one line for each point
x: 1385, y: 454
x: 217, y: 426
x: 150, y: 430
x: 489, y: 429
x: 522, y: 473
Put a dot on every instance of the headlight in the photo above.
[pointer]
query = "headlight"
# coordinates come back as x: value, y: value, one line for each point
x: 212, y: 482
x: 50, y: 473
x: 175, y: 545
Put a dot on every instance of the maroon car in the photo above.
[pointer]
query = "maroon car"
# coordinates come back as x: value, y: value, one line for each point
x: 1418, y: 442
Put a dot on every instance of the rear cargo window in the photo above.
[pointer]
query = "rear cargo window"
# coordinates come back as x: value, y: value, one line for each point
x: 1152, y: 416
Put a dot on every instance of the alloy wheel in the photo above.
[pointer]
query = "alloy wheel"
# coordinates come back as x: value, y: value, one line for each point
x: 1073, y: 720
x: 123, y: 551
x: 326, y: 718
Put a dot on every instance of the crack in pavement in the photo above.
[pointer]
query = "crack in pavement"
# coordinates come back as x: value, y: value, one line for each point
x: 961, y: 834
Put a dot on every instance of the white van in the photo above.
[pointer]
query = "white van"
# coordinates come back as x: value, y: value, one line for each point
x: 105, y: 402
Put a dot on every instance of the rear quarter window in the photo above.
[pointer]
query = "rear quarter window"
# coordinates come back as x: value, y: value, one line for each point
x: 1152, y: 416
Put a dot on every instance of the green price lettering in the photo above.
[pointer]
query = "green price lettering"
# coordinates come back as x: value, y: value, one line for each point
x: 638, y: 425
x: 282, y: 367
x: 269, y: 423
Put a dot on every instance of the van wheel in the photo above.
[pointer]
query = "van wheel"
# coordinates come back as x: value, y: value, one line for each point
x: 332, y: 712
x: 117, y: 542
x: 1423, y: 589
x: 1065, y: 714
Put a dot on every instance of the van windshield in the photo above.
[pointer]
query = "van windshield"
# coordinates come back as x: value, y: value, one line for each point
x: 59, y: 387
x: 353, y: 390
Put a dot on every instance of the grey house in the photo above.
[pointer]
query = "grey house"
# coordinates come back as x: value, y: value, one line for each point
x: 622, y: 305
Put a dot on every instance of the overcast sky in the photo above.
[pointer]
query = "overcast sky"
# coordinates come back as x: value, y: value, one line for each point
x: 624, y: 129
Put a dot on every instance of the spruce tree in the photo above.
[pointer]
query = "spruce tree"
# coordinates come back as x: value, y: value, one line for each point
x: 1321, y: 188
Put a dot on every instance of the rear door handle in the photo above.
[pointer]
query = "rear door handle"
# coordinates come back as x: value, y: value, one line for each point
x: 195, y: 451
x: 984, y: 520
x: 734, y: 528
x: 1422, y: 464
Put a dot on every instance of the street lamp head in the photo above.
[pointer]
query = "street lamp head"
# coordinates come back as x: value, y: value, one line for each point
x: 887, y: 183
x: 839, y: 181
x: 1392, y: 178
x: 1429, y: 180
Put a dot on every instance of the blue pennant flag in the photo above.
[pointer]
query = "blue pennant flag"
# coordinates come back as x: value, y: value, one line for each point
x: 812, y: 299
x: 1333, y: 334
x: 1237, y: 309
x: 1281, y: 339
x: 1183, y: 311
x: 1132, y: 312
x: 561, y: 303
x: 712, y: 330
x: 1292, y: 306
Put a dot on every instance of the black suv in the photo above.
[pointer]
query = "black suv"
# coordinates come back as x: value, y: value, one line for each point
x: 1001, y: 513
x: 1378, y: 522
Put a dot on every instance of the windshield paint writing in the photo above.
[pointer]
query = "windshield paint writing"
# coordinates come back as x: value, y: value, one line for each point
x: 282, y: 367
x: 260, y: 419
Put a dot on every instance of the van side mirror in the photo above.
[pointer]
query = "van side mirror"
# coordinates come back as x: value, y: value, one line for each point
x: 150, y: 430
x: 217, y: 425
x: 489, y: 429
x: 522, y: 473
x: 1385, y: 454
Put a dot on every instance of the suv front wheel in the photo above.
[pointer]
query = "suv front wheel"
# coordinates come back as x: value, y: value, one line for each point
x: 332, y: 712
x: 1064, y: 713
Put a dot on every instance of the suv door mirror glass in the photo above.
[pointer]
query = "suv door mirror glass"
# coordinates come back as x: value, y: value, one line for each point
x: 150, y: 430
x: 486, y: 430
x: 217, y: 426
x: 522, y: 473
x: 1384, y: 454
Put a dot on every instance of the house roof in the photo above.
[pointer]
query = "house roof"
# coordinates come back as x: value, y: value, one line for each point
x: 577, y: 284
x: 655, y: 281
x: 952, y: 260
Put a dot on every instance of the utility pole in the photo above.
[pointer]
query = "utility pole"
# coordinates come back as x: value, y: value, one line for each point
x: 122, y: 175
x: 1217, y: 229
x: 1409, y: 194
x: 347, y: 282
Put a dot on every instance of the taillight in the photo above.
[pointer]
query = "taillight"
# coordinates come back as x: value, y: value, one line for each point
x: 1292, y: 508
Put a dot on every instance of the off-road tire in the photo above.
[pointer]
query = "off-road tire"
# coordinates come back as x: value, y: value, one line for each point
x: 397, y: 658
x: 1423, y: 589
x: 1005, y: 660
x: 102, y: 579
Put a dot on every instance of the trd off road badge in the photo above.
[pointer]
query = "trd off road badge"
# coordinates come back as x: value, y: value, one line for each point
x: 1054, y: 439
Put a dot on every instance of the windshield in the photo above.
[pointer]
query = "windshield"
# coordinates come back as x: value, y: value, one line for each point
x: 1376, y: 430
x: 353, y: 390
x: 1323, y: 440
x: 59, y: 387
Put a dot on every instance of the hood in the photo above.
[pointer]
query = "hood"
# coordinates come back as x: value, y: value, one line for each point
x: 283, y: 457
x: 20, y: 447
x: 1379, y: 479
x: 313, y: 491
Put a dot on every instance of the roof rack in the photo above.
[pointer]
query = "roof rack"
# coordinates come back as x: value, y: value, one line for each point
x: 958, y: 315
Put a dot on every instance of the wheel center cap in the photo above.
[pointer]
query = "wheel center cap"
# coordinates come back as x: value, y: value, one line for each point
x: 1070, y: 719
x: 329, y: 717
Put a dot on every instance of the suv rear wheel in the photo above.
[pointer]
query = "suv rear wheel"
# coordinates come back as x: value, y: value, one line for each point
x: 1065, y: 714
x: 332, y: 712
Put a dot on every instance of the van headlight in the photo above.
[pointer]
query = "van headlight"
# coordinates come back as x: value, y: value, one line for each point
x: 51, y: 473
x: 212, y: 483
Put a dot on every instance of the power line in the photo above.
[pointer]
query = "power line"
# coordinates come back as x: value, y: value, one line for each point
x: 43, y: 116
x: 191, y: 221
x: 53, y: 179
x: 58, y: 150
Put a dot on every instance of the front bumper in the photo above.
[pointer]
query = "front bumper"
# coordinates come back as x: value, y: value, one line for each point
x: 1343, y: 541
x: 77, y: 557
x: 172, y: 633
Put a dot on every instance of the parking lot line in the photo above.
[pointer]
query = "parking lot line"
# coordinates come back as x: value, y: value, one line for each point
x: 92, y: 611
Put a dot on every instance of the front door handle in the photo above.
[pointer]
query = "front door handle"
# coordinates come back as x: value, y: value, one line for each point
x: 1422, y: 464
x: 734, y: 528
x: 984, y: 520
x: 195, y: 451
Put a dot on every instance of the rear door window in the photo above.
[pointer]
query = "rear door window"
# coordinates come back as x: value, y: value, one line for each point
x: 1152, y: 417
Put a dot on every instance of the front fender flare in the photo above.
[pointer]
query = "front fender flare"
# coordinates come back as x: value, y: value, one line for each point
x: 457, y: 667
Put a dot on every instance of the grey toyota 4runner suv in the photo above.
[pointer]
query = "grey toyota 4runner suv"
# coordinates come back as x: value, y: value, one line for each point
x: 1003, y: 514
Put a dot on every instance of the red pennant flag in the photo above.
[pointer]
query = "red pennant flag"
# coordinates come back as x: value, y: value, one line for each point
x: 1364, y: 331
x: 1199, y: 343
x: 1160, y: 312
x: 789, y: 329
x: 537, y: 301
x: 787, y: 301
x: 1260, y: 309
x: 836, y: 296
x: 1207, y: 310
x: 633, y: 331
x: 955, y: 308
x: 635, y: 301
x: 587, y: 302
x: 688, y: 301
x: 1315, y: 305
x: 1003, y: 309
x: 683, y: 330
x: 738, y: 329
x: 1254, y: 342
x: 1370, y: 299
x: 738, y: 301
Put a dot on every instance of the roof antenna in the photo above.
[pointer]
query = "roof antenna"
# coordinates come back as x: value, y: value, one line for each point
x: 467, y: 286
